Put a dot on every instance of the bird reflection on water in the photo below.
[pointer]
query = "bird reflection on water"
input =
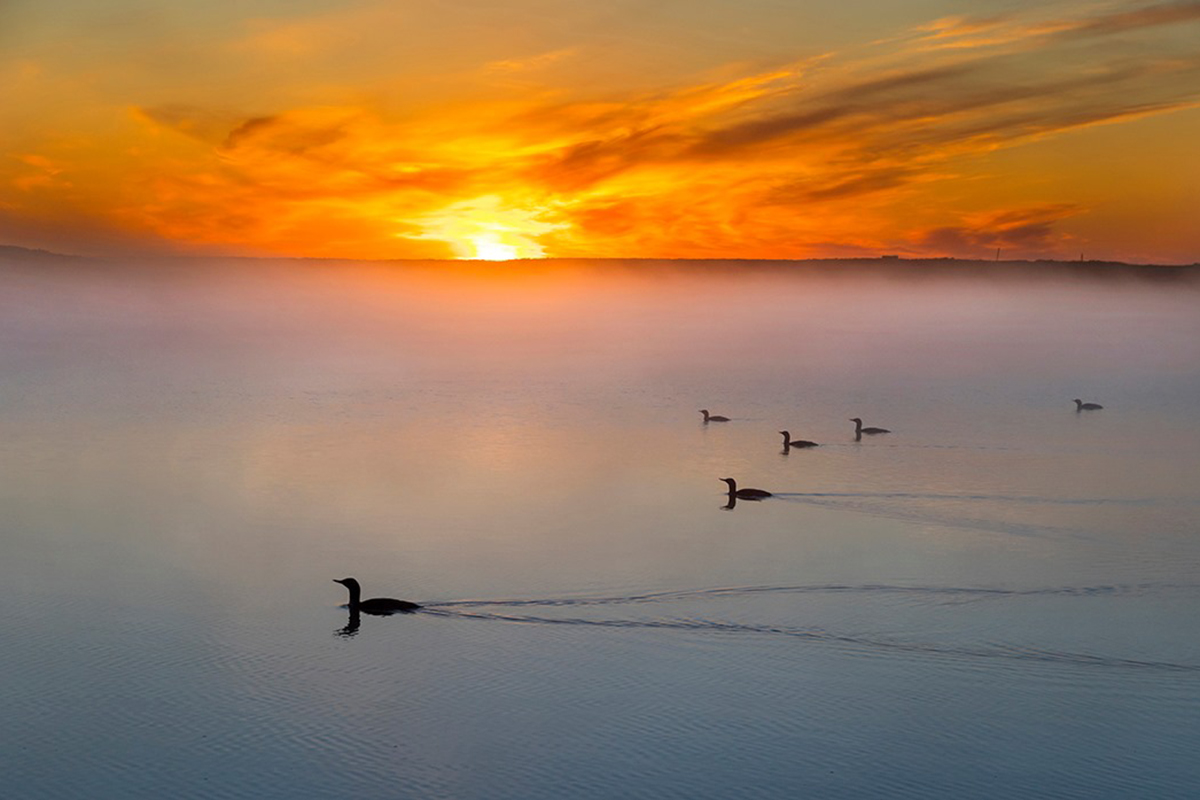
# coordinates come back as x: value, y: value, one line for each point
x: 352, y: 625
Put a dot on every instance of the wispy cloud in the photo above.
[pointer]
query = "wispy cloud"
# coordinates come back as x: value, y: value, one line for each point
x: 530, y: 63
x: 1144, y: 17
x: 1029, y: 32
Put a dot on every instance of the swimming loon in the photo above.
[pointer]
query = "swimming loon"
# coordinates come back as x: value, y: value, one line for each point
x: 859, y: 430
x: 713, y: 417
x: 1082, y: 406
x: 788, y: 443
x: 376, y: 605
x: 745, y: 494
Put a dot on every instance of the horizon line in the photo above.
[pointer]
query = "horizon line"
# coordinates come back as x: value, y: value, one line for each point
x: 19, y: 250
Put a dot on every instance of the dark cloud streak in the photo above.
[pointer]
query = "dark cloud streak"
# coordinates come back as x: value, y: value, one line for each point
x: 1147, y: 17
x: 804, y: 192
x: 1026, y: 230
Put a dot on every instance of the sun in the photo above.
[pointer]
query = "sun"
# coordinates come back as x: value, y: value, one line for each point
x: 489, y: 229
x: 489, y: 248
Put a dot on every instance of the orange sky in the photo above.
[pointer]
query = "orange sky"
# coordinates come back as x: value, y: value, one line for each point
x: 684, y: 128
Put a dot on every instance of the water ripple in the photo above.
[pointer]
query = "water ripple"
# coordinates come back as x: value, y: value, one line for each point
x: 1005, y: 498
x: 478, y: 610
x: 687, y: 594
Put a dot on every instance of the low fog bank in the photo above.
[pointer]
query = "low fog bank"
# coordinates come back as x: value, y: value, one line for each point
x: 172, y: 336
x: 564, y: 315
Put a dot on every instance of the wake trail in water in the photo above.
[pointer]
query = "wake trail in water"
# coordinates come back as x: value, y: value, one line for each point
x: 958, y: 510
x: 479, y: 610
x: 999, y: 498
x: 818, y: 635
x: 909, y: 446
x: 869, y: 588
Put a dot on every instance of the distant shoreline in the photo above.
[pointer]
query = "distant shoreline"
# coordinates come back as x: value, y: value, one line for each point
x: 878, y: 264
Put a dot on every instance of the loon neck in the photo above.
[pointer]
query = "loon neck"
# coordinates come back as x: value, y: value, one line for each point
x: 355, y: 593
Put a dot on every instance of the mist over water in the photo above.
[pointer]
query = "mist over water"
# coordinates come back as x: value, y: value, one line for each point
x: 997, y: 599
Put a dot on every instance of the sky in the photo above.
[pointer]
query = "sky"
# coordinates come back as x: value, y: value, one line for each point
x: 502, y: 129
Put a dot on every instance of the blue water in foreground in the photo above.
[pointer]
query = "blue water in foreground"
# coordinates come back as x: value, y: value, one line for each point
x: 999, y: 599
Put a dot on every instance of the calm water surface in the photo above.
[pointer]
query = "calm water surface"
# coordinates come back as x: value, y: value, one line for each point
x: 997, y: 600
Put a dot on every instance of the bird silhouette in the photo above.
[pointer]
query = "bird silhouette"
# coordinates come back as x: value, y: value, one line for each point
x: 745, y: 494
x: 859, y: 430
x: 788, y: 443
x: 375, y: 605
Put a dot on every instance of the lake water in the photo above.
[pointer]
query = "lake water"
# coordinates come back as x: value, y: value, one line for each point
x: 999, y: 599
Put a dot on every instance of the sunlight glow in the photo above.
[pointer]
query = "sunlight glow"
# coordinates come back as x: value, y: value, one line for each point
x: 489, y: 229
x: 488, y: 248
x: 897, y: 132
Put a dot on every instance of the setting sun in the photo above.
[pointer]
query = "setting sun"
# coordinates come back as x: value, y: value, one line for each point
x: 489, y: 249
x: 487, y: 228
